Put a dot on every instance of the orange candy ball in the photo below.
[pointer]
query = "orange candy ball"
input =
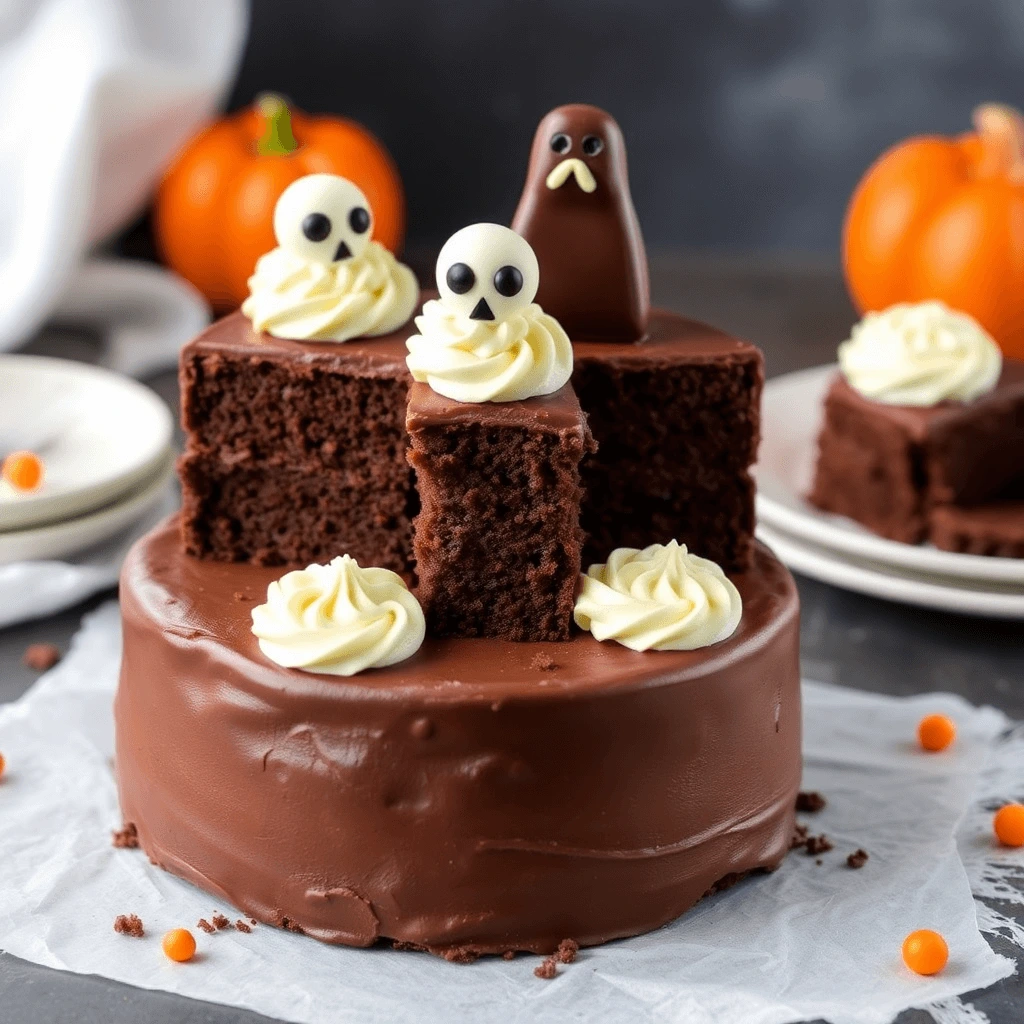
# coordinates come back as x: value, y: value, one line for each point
x: 925, y: 951
x: 179, y: 945
x: 936, y: 732
x: 3, y: 764
x: 23, y: 471
x: 1009, y: 825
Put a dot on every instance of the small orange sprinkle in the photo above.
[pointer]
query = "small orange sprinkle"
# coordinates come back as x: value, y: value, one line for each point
x: 179, y: 945
x: 925, y: 951
x: 3, y: 764
x: 936, y: 732
x: 1009, y: 825
x: 23, y: 470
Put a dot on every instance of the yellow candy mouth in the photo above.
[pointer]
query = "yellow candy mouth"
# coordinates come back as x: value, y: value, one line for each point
x: 572, y: 166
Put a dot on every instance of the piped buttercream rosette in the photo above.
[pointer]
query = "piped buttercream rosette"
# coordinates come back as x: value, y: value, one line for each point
x: 660, y: 598
x: 339, y: 619
x: 920, y: 354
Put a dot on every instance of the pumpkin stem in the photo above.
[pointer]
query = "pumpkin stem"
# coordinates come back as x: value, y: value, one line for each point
x: 1001, y: 129
x: 277, y: 138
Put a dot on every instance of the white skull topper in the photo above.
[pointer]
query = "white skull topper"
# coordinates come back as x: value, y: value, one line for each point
x: 323, y: 218
x: 487, y: 272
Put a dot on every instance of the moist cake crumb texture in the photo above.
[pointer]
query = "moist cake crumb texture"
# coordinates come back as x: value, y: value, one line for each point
x: 497, y: 539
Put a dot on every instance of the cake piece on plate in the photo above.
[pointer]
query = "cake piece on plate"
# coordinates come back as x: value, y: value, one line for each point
x: 295, y: 439
x: 497, y: 437
x: 674, y: 405
x: 924, y: 413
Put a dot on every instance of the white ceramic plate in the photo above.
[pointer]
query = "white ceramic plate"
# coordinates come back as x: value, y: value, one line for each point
x: 58, y: 540
x: 791, y: 418
x: 99, y: 436
x: 953, y: 595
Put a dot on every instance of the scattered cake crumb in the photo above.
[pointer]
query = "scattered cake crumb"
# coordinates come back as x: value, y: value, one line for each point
x: 406, y: 947
x: 818, y: 844
x: 126, y: 838
x: 543, y: 663
x: 40, y: 657
x: 857, y: 859
x: 509, y: 954
x: 205, y: 926
x: 242, y: 926
x: 252, y: 921
x: 460, y: 955
x: 129, y: 924
x: 547, y: 970
x: 220, y: 922
x: 800, y: 833
x: 819, y: 862
x: 810, y: 802
x: 568, y: 949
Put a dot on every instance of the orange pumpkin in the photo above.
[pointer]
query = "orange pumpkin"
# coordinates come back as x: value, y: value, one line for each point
x: 213, y: 216
x: 943, y: 218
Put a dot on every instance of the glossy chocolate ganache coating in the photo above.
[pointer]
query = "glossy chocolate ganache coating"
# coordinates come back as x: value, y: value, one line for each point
x: 482, y: 796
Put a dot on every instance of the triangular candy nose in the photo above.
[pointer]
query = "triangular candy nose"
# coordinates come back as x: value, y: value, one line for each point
x: 481, y: 311
x: 342, y: 252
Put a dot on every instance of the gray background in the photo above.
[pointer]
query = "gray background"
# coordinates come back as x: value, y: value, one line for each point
x: 748, y: 121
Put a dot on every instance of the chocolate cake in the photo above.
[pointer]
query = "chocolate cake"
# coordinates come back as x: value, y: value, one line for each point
x: 470, y: 770
x: 677, y: 422
x: 465, y: 798
x: 295, y: 450
x: 498, y: 540
x: 887, y: 466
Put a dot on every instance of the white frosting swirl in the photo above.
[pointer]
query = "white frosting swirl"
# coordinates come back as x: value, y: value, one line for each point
x: 363, y: 296
x: 339, y: 619
x: 920, y: 354
x: 467, y: 360
x: 662, y: 599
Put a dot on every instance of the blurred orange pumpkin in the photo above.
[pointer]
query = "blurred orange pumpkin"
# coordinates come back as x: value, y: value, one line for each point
x: 213, y: 215
x: 943, y: 218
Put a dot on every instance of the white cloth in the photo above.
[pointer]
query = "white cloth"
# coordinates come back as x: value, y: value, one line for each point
x: 806, y: 942
x: 97, y: 96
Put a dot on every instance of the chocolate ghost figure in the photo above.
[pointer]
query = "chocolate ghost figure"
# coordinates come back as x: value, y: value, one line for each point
x: 577, y: 213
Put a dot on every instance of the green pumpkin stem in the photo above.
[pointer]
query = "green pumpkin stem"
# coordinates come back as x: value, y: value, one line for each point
x: 277, y: 138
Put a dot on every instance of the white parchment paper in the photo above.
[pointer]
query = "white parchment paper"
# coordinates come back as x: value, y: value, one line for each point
x: 809, y: 941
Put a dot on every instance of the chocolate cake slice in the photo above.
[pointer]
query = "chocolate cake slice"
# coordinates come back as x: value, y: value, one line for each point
x: 677, y: 421
x: 887, y: 466
x: 497, y: 539
x: 295, y: 450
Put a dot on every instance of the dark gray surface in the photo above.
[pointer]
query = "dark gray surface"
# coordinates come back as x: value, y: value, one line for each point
x: 748, y: 121
x: 797, y: 313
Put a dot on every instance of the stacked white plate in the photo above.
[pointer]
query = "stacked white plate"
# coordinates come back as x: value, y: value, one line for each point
x: 105, y: 443
x: 840, y: 551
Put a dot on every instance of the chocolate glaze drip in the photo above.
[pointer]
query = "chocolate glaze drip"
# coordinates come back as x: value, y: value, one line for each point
x: 479, y: 797
x: 593, y: 265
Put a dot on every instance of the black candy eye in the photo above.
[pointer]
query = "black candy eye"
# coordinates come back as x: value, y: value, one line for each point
x: 560, y: 142
x: 359, y: 220
x: 316, y: 226
x: 508, y: 281
x: 592, y: 145
x: 460, y: 278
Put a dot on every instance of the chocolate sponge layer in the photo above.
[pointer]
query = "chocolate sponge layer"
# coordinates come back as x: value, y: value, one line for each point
x: 497, y: 540
x: 676, y: 419
x: 295, y: 450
